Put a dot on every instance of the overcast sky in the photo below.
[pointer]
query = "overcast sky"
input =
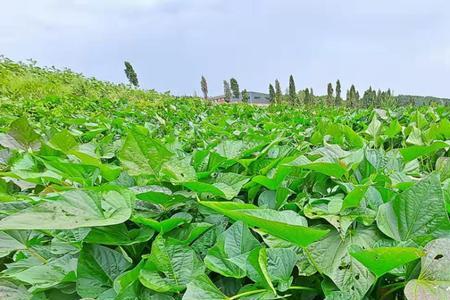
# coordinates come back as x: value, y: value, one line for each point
x: 403, y: 45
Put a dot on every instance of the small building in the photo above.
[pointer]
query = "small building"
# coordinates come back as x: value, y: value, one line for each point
x: 254, y: 98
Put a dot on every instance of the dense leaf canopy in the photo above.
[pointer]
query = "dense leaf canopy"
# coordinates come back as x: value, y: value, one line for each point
x: 184, y: 199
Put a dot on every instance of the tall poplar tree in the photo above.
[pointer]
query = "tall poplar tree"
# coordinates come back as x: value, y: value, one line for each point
x: 234, y: 87
x: 330, y: 94
x: 204, y: 86
x: 226, y: 91
x: 245, y: 96
x: 278, y: 93
x: 271, y: 94
x: 292, y: 92
x: 131, y: 74
x: 307, y: 100
x: 353, y: 97
x: 338, y: 93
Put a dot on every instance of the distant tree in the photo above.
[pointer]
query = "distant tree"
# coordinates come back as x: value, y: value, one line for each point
x: 226, y: 91
x: 278, y: 93
x: 353, y: 97
x: 204, y: 86
x: 245, y: 96
x: 369, y: 98
x: 378, y: 98
x: 271, y: 94
x: 234, y: 87
x: 292, y: 93
x: 307, y: 99
x: 330, y: 94
x: 386, y: 99
x: 131, y: 74
x: 338, y: 93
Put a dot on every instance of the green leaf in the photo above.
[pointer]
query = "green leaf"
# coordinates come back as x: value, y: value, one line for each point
x: 161, y: 196
x: 229, y: 255
x: 50, y: 273
x: 118, y: 235
x: 170, y: 267
x: 142, y: 155
x: 98, y: 267
x: 280, y: 264
x: 434, y: 278
x: 178, y: 171
x: 189, y: 233
x: 286, y: 225
x: 201, y: 287
x: 415, y: 137
x: 73, y: 209
x: 257, y: 269
x: 413, y: 152
x: 128, y: 282
x: 166, y: 225
x: 331, y: 257
x: 11, y: 291
x: 329, y: 168
x: 230, y: 149
x: 21, y: 136
x: 13, y: 240
x: 405, y: 218
x: 384, y: 259
x: 374, y: 127
x: 226, y: 185
x: 393, y: 129
x: 63, y: 140
x: 417, y: 289
x: 353, y: 199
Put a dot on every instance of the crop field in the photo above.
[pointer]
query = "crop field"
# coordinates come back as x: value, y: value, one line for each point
x: 163, y: 198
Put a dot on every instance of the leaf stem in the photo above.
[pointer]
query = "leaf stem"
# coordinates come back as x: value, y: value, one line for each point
x: 246, y: 294
x: 294, y: 287
x: 303, y: 288
x: 395, y: 286
x: 37, y: 255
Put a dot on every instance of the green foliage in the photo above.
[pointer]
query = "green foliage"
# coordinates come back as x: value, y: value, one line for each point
x: 131, y: 74
x: 245, y: 96
x: 185, y: 199
x: 278, y: 93
x: 271, y: 94
x: 338, y: 100
x: 204, y: 87
x: 330, y: 98
x: 227, y: 91
x: 293, y: 99
x: 234, y: 88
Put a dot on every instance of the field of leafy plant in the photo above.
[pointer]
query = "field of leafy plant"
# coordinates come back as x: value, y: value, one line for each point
x: 181, y: 199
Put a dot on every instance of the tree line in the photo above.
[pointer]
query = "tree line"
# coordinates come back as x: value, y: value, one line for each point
x: 292, y: 96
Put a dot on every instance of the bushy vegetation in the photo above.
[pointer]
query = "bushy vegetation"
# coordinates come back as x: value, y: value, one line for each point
x: 139, y: 195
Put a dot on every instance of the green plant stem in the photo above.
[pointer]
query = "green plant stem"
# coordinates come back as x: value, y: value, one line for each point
x: 247, y: 294
x: 294, y: 287
x: 37, y: 255
x: 395, y: 286
x: 303, y: 288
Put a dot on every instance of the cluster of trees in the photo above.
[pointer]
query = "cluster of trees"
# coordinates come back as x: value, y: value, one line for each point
x: 230, y: 90
x: 370, y: 98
